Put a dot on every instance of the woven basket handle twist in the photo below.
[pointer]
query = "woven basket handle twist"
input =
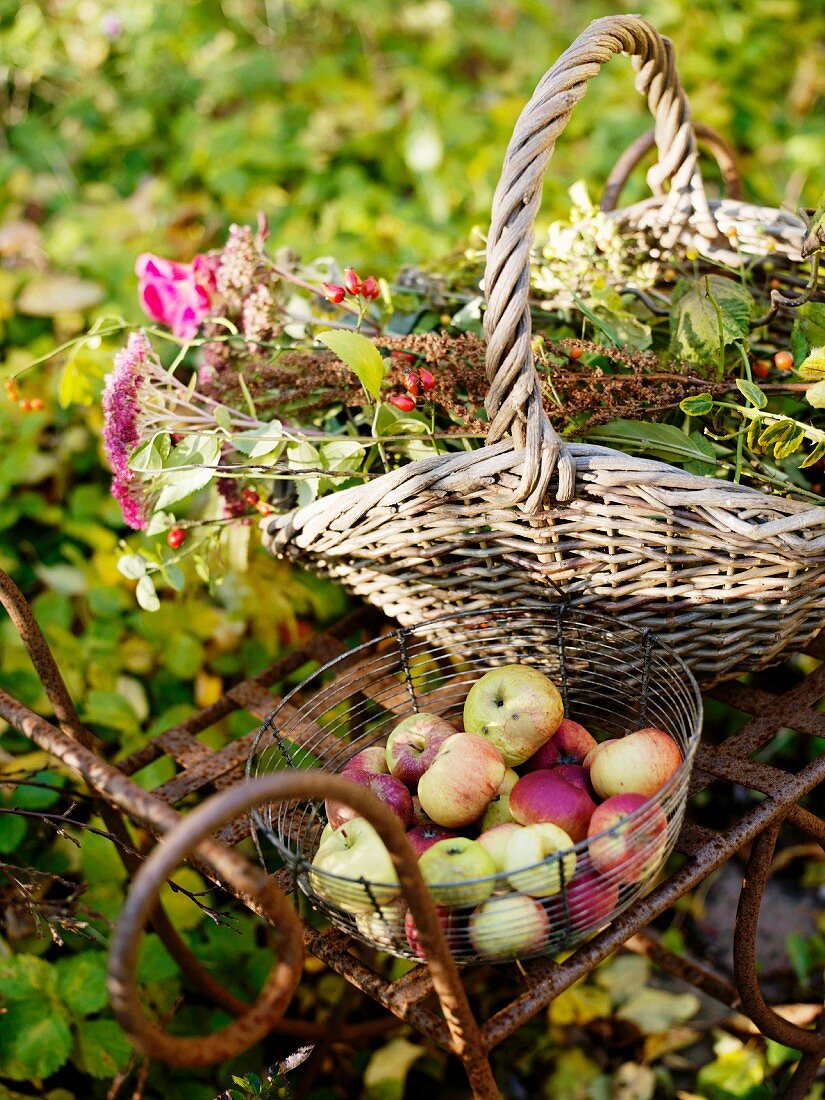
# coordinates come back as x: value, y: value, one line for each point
x: 514, y: 399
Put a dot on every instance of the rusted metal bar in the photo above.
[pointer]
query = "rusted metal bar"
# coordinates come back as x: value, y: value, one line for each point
x: 744, y: 950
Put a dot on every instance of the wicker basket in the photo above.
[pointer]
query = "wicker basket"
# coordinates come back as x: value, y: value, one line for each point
x: 725, y: 574
x: 614, y: 678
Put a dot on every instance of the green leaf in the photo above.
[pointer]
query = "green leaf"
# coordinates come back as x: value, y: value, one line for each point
x: 813, y: 367
x: 360, y: 355
x: 705, y: 313
x: 752, y: 393
x: 790, y: 444
x: 101, y: 1048
x: 656, y: 1010
x: 579, y: 1004
x: 735, y: 1075
x: 815, y: 456
x: 35, y: 1040
x: 261, y: 442
x: 146, y: 595
x: 811, y: 317
x: 799, y: 953
x: 387, y: 1070
x: 110, y: 708
x: 639, y: 437
x: 24, y: 977
x: 623, y: 975
x: 223, y: 418
x: 179, y: 486
x: 13, y: 829
x: 81, y: 982
x: 703, y: 469
x: 815, y: 395
x: 132, y: 566
x: 697, y: 405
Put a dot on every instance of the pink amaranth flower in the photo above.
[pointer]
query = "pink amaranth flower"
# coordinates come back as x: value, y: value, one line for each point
x: 177, y: 295
x: 121, y: 410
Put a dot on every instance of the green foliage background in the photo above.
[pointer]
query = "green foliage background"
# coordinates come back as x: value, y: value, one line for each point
x: 370, y: 129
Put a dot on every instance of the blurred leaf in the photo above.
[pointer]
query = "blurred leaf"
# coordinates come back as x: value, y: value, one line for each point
x: 572, y: 1077
x: 633, y: 1082
x: 81, y: 982
x: 813, y: 367
x: 579, y: 1004
x: 623, y: 976
x: 101, y: 1048
x: 386, y: 1072
x: 735, y: 1075
x: 47, y: 295
x: 35, y: 1040
x: 657, y: 1010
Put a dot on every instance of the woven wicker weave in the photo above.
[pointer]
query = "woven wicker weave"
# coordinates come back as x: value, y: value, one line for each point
x: 725, y: 574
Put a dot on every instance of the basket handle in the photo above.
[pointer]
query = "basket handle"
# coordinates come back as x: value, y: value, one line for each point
x: 514, y: 401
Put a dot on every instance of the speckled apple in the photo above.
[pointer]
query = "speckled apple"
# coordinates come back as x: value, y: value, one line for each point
x: 387, y: 788
x: 495, y: 840
x: 457, y: 787
x: 639, y: 763
x: 451, y: 869
x: 498, y: 810
x: 591, y: 900
x: 630, y: 850
x: 539, y: 859
x: 422, y: 837
x: 354, y: 851
x: 413, y: 744
x: 517, y: 708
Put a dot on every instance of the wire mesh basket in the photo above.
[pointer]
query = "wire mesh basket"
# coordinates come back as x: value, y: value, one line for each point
x: 614, y: 678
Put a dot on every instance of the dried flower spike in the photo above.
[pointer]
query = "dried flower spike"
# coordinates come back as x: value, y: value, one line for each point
x: 176, y: 537
x: 370, y: 288
x: 333, y: 293
x: 403, y: 402
x: 352, y: 284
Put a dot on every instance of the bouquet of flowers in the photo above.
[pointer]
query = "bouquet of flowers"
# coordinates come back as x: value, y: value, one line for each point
x: 264, y: 382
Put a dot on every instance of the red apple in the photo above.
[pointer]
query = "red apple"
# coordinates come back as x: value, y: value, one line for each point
x: 570, y: 744
x: 413, y: 744
x: 591, y: 900
x: 450, y: 922
x: 390, y: 790
x: 639, y: 763
x: 457, y: 787
x: 577, y: 775
x: 371, y: 761
x: 516, y: 707
x: 422, y: 837
x: 545, y: 796
x: 629, y: 851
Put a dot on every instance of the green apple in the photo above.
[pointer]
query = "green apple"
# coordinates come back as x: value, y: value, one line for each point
x: 529, y: 859
x: 354, y: 852
x: 451, y: 869
x: 517, y: 708
x: 498, y: 811
x: 509, y: 926
x: 384, y: 926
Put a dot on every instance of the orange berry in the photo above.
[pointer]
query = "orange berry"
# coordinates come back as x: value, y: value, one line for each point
x: 783, y: 360
x: 36, y: 404
x: 576, y: 352
x: 25, y: 405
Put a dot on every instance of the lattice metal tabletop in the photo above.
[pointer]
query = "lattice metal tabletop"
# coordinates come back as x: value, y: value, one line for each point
x: 431, y: 998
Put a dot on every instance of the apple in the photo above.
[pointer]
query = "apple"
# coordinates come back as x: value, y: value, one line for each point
x: 419, y: 817
x: 466, y: 773
x: 631, y: 851
x: 391, y: 791
x: 372, y: 761
x: 495, y: 840
x: 450, y: 922
x: 570, y: 744
x: 451, y: 869
x: 516, y: 707
x: 422, y: 837
x: 509, y: 926
x: 537, y: 845
x: 577, y: 775
x: 354, y: 851
x: 498, y: 810
x: 326, y: 833
x: 591, y: 900
x: 412, y: 745
x: 384, y: 926
x: 546, y: 796
x: 639, y: 763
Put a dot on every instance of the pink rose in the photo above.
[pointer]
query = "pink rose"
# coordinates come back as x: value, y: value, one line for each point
x: 177, y: 295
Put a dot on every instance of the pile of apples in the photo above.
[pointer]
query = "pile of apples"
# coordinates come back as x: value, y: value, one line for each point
x: 493, y: 811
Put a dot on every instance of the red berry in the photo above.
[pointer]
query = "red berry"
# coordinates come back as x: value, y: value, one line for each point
x: 783, y: 360
x: 413, y: 383
x: 176, y: 537
x: 402, y: 357
x: 761, y: 368
x: 352, y: 284
x: 576, y: 352
x: 25, y: 405
x: 403, y: 402
x: 333, y: 293
x: 12, y: 391
x: 36, y: 404
x: 250, y: 496
x: 427, y: 379
x: 370, y: 287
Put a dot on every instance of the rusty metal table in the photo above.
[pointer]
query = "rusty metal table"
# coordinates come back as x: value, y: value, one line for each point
x: 201, y: 813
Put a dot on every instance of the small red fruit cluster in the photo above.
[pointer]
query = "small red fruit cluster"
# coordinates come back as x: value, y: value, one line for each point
x: 353, y: 285
x: 518, y: 816
x: 416, y: 382
x: 25, y: 404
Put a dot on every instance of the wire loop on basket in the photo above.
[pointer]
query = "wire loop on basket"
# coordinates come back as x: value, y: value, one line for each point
x: 614, y: 678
